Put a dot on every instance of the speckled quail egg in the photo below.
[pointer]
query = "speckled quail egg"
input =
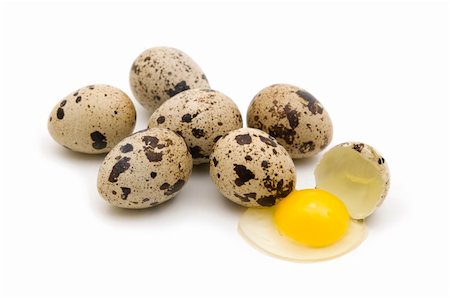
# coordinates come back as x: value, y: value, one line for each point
x: 201, y: 117
x: 294, y: 117
x: 145, y: 169
x: 357, y: 174
x: 92, y: 119
x: 251, y: 169
x: 160, y: 73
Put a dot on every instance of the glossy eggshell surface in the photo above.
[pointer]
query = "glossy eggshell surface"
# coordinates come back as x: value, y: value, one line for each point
x: 294, y: 117
x: 251, y: 169
x: 92, y: 119
x: 201, y: 117
x: 162, y: 72
x: 145, y: 169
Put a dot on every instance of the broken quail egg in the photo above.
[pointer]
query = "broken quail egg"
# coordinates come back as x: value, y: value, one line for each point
x: 145, y: 169
x: 294, y: 117
x: 251, y: 169
x: 357, y: 174
x: 307, y: 225
x: 160, y: 73
x: 201, y: 117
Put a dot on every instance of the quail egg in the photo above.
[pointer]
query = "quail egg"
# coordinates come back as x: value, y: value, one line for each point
x: 294, y: 117
x: 160, y: 73
x: 356, y: 173
x: 92, y: 119
x: 249, y: 168
x: 145, y: 169
x: 201, y: 117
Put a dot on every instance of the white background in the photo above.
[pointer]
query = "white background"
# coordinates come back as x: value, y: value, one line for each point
x: 380, y: 69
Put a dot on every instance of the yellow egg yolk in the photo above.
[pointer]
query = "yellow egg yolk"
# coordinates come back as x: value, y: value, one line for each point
x: 312, y: 217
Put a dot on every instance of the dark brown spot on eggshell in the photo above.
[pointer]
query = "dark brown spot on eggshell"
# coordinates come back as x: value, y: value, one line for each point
x: 99, y: 140
x: 306, y: 147
x: 313, y: 104
x: 246, y: 197
x: 268, y: 141
x: 292, y: 116
x: 244, y: 174
x: 126, y: 148
x: 151, y: 141
x: 198, y: 133
x: 280, y: 131
x: 244, y: 139
x: 121, y: 166
x: 196, y: 152
x: 125, y: 192
x: 280, y: 188
x: 358, y: 147
x: 188, y: 117
x: 60, y: 113
x: 179, y: 87
x: 172, y: 189
x: 161, y: 119
x: 153, y: 156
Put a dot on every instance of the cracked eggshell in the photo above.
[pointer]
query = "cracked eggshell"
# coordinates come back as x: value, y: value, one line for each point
x: 294, y: 117
x: 92, y: 119
x: 160, y: 73
x: 358, y: 174
x: 201, y: 117
x: 251, y: 169
x: 145, y: 169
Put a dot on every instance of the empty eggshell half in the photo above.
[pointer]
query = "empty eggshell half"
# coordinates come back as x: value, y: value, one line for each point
x: 357, y: 174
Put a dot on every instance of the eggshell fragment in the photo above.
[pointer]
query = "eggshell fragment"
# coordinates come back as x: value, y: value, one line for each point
x: 356, y: 173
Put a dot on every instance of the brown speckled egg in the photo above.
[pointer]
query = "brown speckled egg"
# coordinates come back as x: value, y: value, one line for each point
x: 201, y: 117
x: 160, y: 73
x: 92, y: 119
x: 145, y: 169
x: 251, y: 169
x: 294, y: 117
